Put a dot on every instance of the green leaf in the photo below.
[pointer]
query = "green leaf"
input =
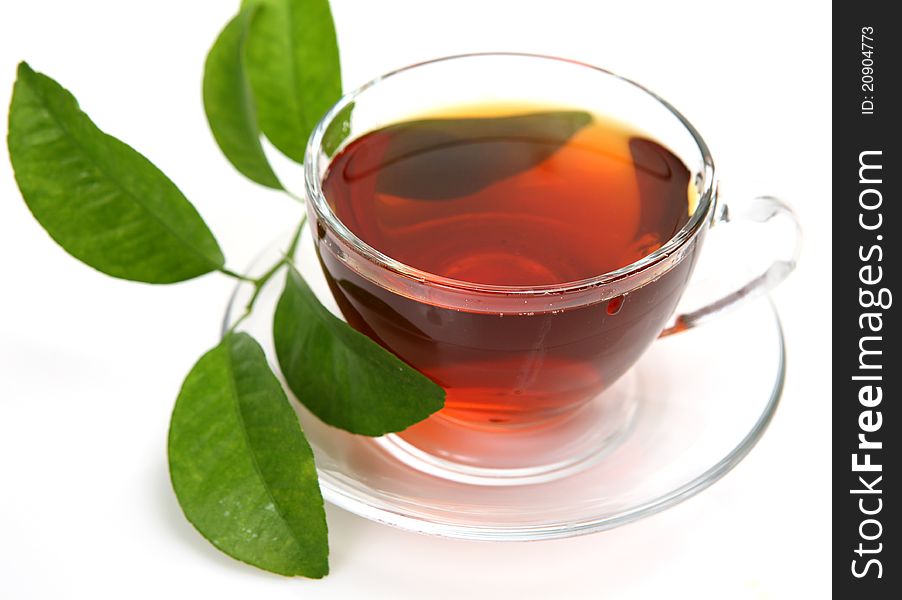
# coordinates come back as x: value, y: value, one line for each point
x: 230, y: 106
x: 102, y: 201
x: 443, y: 159
x: 342, y: 376
x: 293, y: 66
x: 338, y: 131
x: 241, y: 466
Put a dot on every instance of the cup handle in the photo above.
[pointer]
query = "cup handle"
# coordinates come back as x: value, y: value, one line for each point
x: 767, y: 212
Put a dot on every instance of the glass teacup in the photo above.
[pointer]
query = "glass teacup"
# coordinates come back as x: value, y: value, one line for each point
x: 517, y: 356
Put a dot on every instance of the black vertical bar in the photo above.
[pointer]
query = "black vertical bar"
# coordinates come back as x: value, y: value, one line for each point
x: 866, y: 371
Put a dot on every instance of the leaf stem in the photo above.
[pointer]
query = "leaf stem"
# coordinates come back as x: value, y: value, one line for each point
x: 260, y: 282
x: 235, y: 275
x: 292, y: 247
x: 295, y: 196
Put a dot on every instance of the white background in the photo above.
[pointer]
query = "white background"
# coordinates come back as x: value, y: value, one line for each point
x: 90, y: 366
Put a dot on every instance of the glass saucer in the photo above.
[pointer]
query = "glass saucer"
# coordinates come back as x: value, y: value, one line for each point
x: 703, y: 399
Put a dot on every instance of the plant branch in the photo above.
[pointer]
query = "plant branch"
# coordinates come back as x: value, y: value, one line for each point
x: 235, y: 275
x: 260, y: 282
x: 295, y: 196
x: 292, y: 247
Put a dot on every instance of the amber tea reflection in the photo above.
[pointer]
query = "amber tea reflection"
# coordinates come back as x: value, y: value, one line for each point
x: 510, y: 198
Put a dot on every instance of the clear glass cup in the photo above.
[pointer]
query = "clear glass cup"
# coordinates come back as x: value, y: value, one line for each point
x: 509, y: 357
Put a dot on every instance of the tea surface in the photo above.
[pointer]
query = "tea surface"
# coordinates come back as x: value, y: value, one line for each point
x: 536, y: 198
